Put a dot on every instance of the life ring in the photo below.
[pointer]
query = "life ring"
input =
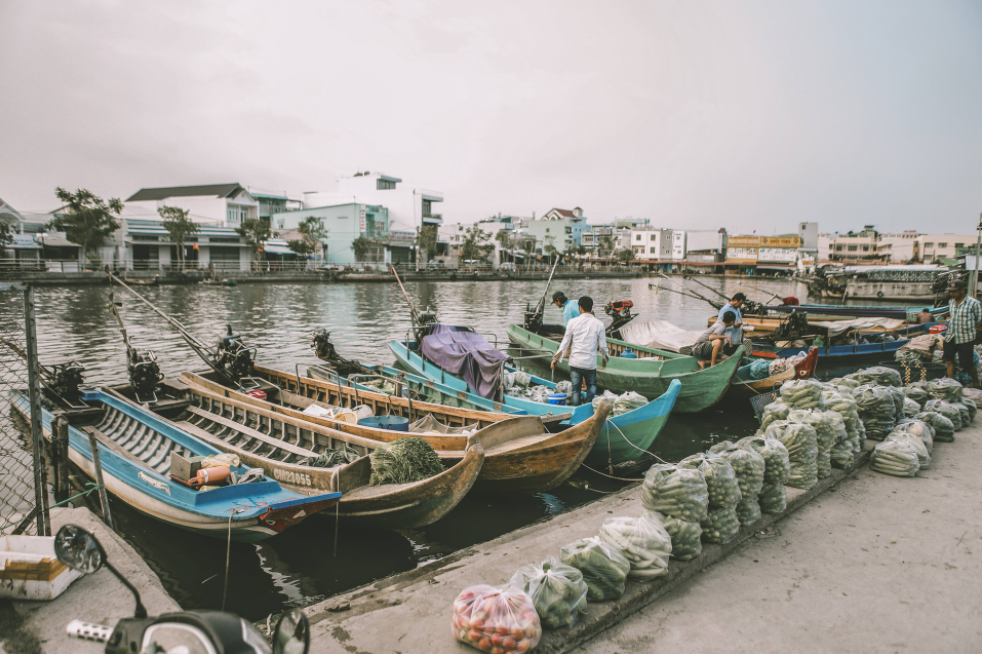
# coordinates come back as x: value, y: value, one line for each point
x: 879, y: 294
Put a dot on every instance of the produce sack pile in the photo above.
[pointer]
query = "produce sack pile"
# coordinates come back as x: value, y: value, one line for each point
x: 825, y: 435
x: 944, y: 429
x: 845, y: 406
x: 557, y: 590
x: 915, y: 443
x: 803, y: 394
x: 841, y: 455
x: 749, y: 467
x: 623, y: 403
x: 484, y: 615
x: 877, y: 410
x: 917, y: 392
x: 802, y: 444
x: 920, y: 429
x: 760, y: 369
x: 643, y: 541
x: 604, y: 567
x: 947, y: 409
x: 776, y: 410
x: 911, y: 408
x: 945, y: 389
x: 843, y: 385
x: 533, y: 392
x: 404, y: 461
x: 972, y: 408
x: 773, y: 496
x: 681, y: 496
x: 895, y: 457
x: 966, y: 415
x: 721, y: 524
x: 517, y: 379
x: 563, y: 387
x: 878, y: 376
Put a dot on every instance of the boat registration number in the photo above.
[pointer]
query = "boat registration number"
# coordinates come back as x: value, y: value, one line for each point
x: 156, y: 483
x: 291, y: 477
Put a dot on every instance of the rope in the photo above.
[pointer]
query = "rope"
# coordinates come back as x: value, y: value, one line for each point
x: 603, y: 474
x: 228, y: 551
x: 94, y: 487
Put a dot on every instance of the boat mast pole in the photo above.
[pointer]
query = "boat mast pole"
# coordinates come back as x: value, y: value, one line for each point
x: 541, y: 307
x: 978, y: 246
x: 412, y: 307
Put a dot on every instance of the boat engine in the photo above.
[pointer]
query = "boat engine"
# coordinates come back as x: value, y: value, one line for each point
x: 791, y: 328
x: 533, y: 319
x: 325, y: 351
x: 233, y: 358
x: 144, y: 375
x: 620, y: 313
x: 67, y: 380
x: 421, y: 323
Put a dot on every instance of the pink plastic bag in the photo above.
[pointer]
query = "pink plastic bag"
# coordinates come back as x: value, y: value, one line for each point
x: 496, y: 620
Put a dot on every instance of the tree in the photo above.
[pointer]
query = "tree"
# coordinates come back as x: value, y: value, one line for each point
x: 312, y: 234
x: 426, y: 241
x: 360, y: 246
x: 605, y: 246
x: 504, y: 240
x: 86, y: 218
x: 6, y: 234
x: 256, y: 232
x: 529, y: 246
x: 625, y: 255
x: 179, y: 227
x: 474, y: 244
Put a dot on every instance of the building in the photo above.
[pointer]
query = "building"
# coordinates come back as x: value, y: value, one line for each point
x: 941, y: 247
x: 778, y: 252
x: 808, y: 232
x: 678, y: 245
x: 270, y: 203
x: 408, y: 208
x: 345, y: 223
x: 826, y: 245
x: 652, y: 244
x: 560, y: 228
x: 855, y: 247
x: 899, y: 247
x: 148, y: 246
x: 227, y: 205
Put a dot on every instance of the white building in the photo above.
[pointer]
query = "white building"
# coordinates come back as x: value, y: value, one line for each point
x: 652, y: 244
x: 561, y: 228
x: 826, y: 243
x: 899, y: 247
x: 943, y: 246
x: 408, y: 207
x: 227, y: 205
x: 678, y: 245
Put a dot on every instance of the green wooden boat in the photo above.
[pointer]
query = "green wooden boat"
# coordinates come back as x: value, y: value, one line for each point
x: 649, y: 373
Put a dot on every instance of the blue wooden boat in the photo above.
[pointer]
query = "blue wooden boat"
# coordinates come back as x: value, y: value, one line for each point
x: 834, y: 354
x: 135, y: 449
x: 624, y: 438
x: 900, y: 313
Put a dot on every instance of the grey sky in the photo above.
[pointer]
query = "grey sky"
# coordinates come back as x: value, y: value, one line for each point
x: 749, y: 115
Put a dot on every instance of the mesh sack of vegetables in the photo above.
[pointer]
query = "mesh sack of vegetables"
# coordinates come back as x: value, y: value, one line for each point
x: 643, y: 541
x: 557, y: 590
x: 841, y: 454
x: 563, y: 387
x: 404, y: 461
x: 945, y: 389
x: 721, y: 524
x: 686, y: 536
x: 677, y: 492
x: 825, y: 436
x: 911, y: 407
x: 628, y: 402
x: 604, y: 567
x: 878, y: 376
x: 947, y: 409
x: 748, y: 466
x: 484, y: 615
x: 898, y: 400
x: 916, y: 444
x: 803, y: 394
x: 802, y: 444
x: 538, y: 394
x: 773, y: 498
x: 972, y: 408
x: 774, y: 411
x: 607, y: 395
x: 876, y: 409
x: 721, y: 481
x: 920, y: 429
x: 963, y: 412
x: 748, y: 511
x: 777, y: 466
x: 944, y: 429
x: 843, y: 385
x: 898, y: 458
x: 917, y: 392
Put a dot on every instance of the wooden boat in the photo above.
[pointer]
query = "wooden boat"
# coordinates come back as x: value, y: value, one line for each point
x: 831, y: 310
x: 835, y: 354
x: 135, y: 448
x: 520, y: 455
x: 649, y: 373
x: 219, y: 282
x: 626, y: 437
x: 743, y: 387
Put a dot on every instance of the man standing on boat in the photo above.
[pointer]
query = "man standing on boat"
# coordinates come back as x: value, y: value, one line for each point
x: 965, y: 313
x: 569, y: 308
x: 715, y: 341
x: 584, y: 337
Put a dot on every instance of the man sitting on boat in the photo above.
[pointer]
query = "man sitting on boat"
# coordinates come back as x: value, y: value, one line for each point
x: 965, y: 313
x: 735, y: 333
x: 570, y: 308
x: 716, y: 340
x: 584, y: 338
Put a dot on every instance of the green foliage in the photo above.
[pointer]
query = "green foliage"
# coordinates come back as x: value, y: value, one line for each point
x: 312, y: 233
x: 625, y: 255
x: 86, y: 218
x: 605, y: 246
x: 256, y: 232
x: 404, y: 461
x: 6, y: 234
x: 426, y: 241
x: 179, y: 227
x: 474, y: 245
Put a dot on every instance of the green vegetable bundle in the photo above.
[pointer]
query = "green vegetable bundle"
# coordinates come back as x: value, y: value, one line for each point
x: 677, y: 492
x: 947, y: 409
x: 721, y: 524
x: 404, y: 461
x: 911, y: 407
x: 773, y: 498
x: 748, y: 466
x: 330, y: 458
x: 845, y: 406
x: 972, y: 408
x: 964, y: 413
x: 721, y: 481
x: 643, y: 541
x: 877, y: 410
x: 557, y: 591
x: 686, y: 536
x: 878, y: 376
x: 945, y: 389
x: 777, y: 465
x: 748, y: 511
x: 627, y: 402
x: 803, y: 394
x: 896, y: 458
x: 920, y: 429
x: 843, y: 385
x: 841, y: 455
x: 915, y: 443
x: 917, y: 392
x: 776, y: 410
x: 944, y: 429
x: 802, y: 444
x: 604, y: 567
x: 825, y: 435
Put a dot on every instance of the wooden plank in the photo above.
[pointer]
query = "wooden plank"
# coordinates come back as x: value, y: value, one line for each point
x: 249, y: 431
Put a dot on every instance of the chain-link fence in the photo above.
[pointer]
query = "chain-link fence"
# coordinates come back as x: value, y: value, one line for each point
x: 20, y: 503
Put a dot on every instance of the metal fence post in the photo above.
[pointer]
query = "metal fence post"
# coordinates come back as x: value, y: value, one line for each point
x: 34, y: 391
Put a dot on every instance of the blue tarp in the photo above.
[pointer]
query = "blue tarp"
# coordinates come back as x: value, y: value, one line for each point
x: 464, y: 353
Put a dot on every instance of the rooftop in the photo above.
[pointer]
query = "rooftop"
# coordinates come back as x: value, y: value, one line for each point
x: 213, y: 190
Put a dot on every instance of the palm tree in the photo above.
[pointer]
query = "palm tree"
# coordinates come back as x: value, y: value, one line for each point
x: 504, y: 240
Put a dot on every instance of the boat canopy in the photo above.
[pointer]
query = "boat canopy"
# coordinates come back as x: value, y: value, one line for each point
x: 658, y: 334
x: 467, y: 354
x: 837, y: 327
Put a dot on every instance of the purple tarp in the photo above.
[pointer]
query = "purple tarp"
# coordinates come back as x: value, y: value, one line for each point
x: 466, y: 354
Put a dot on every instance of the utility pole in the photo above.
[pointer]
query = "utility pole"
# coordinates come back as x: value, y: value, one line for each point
x: 978, y: 246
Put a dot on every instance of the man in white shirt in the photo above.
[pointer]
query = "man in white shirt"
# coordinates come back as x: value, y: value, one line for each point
x: 584, y: 337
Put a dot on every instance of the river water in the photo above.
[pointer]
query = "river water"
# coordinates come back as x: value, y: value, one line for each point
x: 299, y: 566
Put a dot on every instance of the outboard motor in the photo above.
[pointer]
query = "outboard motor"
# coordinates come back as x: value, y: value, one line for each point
x: 620, y: 313
x: 533, y: 319
x: 67, y: 380
x: 325, y: 351
x: 422, y: 321
x: 233, y: 358
x: 144, y: 375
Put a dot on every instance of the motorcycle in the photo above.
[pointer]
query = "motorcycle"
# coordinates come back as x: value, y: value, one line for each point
x: 184, y: 632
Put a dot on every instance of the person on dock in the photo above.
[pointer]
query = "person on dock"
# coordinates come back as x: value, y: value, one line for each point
x: 570, y: 308
x: 715, y: 344
x: 964, y: 314
x: 584, y: 338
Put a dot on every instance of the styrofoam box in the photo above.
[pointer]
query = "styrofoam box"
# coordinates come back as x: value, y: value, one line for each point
x: 29, y: 569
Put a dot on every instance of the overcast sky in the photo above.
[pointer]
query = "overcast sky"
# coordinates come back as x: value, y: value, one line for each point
x: 749, y: 115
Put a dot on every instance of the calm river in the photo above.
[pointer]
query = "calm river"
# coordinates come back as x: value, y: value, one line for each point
x: 298, y: 567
